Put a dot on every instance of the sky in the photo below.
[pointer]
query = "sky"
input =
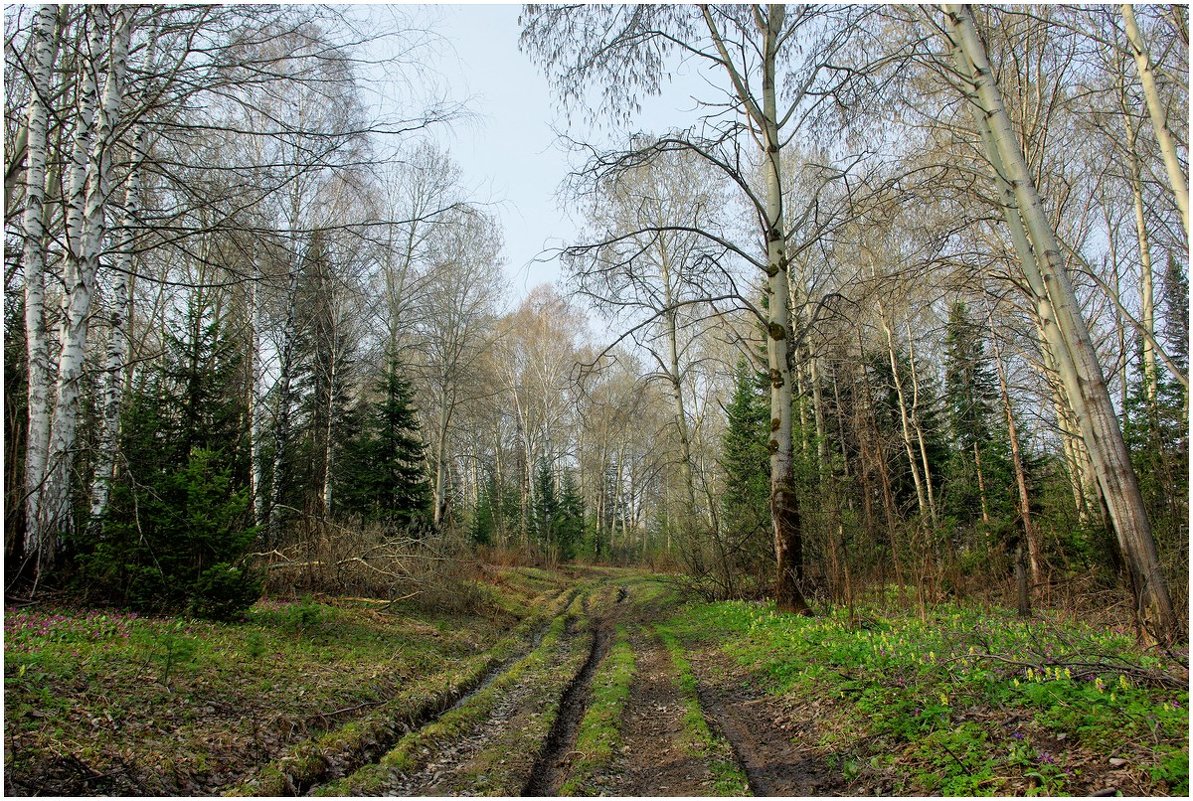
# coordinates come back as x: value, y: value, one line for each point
x: 507, y: 149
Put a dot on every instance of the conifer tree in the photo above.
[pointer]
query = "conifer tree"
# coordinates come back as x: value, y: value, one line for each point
x: 383, y: 477
x: 978, y: 471
x: 177, y: 524
x: 746, y: 502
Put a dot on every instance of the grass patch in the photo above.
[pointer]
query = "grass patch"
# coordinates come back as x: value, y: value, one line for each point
x: 599, y: 736
x: 970, y: 701
x: 699, y: 739
x: 100, y: 702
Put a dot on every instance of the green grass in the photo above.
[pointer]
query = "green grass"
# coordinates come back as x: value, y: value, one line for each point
x: 699, y: 739
x: 968, y: 701
x: 599, y: 736
x: 199, y: 707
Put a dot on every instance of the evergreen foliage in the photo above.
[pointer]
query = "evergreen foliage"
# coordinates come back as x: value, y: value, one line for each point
x: 557, y: 512
x: 979, y: 439
x: 177, y: 526
x: 745, y: 505
x: 383, y: 476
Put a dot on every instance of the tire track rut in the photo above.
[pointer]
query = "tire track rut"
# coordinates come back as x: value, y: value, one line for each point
x: 551, y: 768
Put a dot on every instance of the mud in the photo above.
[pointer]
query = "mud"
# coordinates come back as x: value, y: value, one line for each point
x: 551, y: 767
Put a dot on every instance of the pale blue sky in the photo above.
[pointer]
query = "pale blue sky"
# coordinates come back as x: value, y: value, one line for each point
x: 507, y: 151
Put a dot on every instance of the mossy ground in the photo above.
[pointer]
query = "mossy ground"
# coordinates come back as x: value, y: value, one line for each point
x: 600, y: 730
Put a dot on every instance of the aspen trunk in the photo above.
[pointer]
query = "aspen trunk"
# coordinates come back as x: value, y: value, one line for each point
x: 785, y: 515
x: 1155, y: 110
x: 1079, y: 367
x: 37, y: 545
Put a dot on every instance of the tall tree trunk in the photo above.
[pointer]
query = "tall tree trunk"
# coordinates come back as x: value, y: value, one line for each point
x: 784, y: 504
x: 785, y: 514
x: 1078, y: 363
x: 283, y: 417
x: 90, y: 192
x: 1155, y: 109
x: 256, y: 397
x: 908, y: 444
x: 112, y: 384
x: 113, y: 380
x: 1147, y: 306
x: 919, y: 429
x: 1034, y: 556
x: 38, y: 546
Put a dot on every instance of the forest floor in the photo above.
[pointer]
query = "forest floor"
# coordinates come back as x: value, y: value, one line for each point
x: 591, y: 681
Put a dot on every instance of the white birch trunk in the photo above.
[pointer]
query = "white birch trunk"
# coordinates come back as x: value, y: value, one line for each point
x: 281, y: 429
x: 112, y: 385
x: 1147, y: 303
x: 33, y: 262
x: 784, y: 502
x: 905, y: 423
x: 919, y: 431
x: 256, y: 393
x: 89, y: 196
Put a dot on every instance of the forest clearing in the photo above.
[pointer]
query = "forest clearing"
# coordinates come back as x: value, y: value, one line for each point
x: 584, y: 399
x: 587, y: 682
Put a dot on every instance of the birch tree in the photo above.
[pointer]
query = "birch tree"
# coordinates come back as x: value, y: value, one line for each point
x: 773, y: 66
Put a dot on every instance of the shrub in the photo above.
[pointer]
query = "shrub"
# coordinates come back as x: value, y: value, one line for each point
x: 171, y: 543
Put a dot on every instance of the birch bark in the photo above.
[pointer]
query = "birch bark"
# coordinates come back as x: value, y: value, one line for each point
x: 33, y: 260
x: 91, y: 181
x: 1155, y: 109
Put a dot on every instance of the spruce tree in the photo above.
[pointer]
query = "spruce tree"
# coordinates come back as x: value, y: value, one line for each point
x: 978, y: 431
x: 746, y: 502
x: 383, y: 477
x: 177, y: 526
x: 545, y: 505
x: 570, y: 523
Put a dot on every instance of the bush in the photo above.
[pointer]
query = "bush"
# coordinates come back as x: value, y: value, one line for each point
x: 223, y: 591
x: 172, y: 542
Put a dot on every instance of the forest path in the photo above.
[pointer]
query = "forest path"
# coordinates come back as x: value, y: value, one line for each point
x: 656, y: 758
x: 606, y: 703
